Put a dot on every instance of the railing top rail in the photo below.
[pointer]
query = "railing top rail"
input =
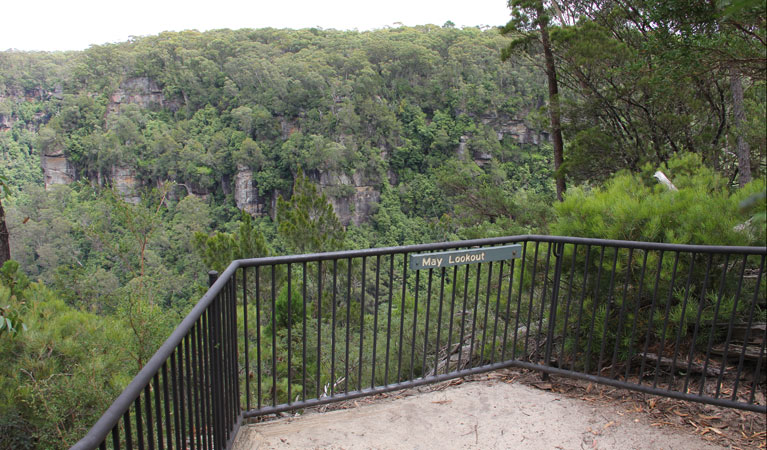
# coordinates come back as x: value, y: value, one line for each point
x: 265, y: 261
x: 110, y: 418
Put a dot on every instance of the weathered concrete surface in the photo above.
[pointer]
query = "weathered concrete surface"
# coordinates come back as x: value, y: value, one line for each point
x: 477, y: 415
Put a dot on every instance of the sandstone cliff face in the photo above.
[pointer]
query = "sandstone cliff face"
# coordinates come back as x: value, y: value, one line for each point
x: 124, y: 182
x: 517, y: 129
x: 352, y: 198
x: 141, y: 91
x: 56, y: 168
x: 246, y: 192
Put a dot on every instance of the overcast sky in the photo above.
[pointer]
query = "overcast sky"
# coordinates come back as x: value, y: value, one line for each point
x: 76, y: 24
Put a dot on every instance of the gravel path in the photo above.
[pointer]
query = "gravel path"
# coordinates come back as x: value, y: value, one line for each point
x: 490, y: 414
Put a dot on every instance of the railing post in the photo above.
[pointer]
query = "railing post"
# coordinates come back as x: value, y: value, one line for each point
x: 212, y: 277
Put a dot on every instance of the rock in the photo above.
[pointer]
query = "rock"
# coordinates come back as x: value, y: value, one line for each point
x: 246, y: 192
x: 57, y: 169
x: 124, y: 182
x: 352, y: 197
x: 142, y: 91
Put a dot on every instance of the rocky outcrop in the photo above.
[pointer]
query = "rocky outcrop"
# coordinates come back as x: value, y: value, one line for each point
x: 141, y: 91
x: 56, y: 168
x: 517, y: 129
x: 124, y: 182
x: 353, y: 198
x: 246, y: 192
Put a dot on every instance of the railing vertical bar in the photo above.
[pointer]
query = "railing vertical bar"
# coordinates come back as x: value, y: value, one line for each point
x: 426, y: 328
x: 333, y: 331
x: 402, y: 316
x: 139, y: 423
x: 196, y: 382
x: 348, y: 322
x: 497, y: 312
x: 487, y: 313
x: 567, y: 306
x: 595, y: 301
x: 520, y: 289
x: 259, y: 393
x: 103, y: 445
x: 463, y: 316
x: 375, y: 322
x: 558, y: 253
x: 544, y: 293
x: 303, y: 334
x: 116, y: 436
x: 638, y: 301
x: 713, y: 324
x: 223, y: 379
x: 621, y: 314
x: 189, y: 386
x: 208, y: 390
x: 360, y: 363
x: 128, y: 431
x: 273, y: 313
x: 701, y: 305
x: 532, y: 297
x: 508, y: 311
x: 450, y: 323
x: 220, y: 392
x: 759, y: 365
x: 580, y: 308
x: 290, y: 333
x: 439, y: 320
x: 178, y: 401
x: 729, y: 327
x: 204, y: 382
x: 415, y: 324
x: 318, y: 381
x: 148, y: 412
x: 166, y: 399
x: 746, y: 339
x: 245, y: 336
x: 682, y: 328
x: 388, y: 318
x: 608, y: 304
x: 234, y: 357
x: 226, y: 388
x: 665, y: 321
x: 650, y: 318
x: 158, y: 410
x: 474, y: 314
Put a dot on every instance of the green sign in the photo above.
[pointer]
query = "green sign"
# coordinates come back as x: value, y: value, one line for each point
x: 463, y: 257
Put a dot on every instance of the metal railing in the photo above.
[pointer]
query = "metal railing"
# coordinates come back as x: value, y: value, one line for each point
x: 289, y: 332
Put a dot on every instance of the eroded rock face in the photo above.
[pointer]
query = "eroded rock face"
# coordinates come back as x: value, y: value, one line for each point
x: 124, y: 182
x: 142, y: 91
x: 352, y: 198
x: 246, y: 192
x: 57, y: 169
x: 516, y: 129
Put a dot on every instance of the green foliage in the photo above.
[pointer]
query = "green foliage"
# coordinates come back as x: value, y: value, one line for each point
x: 307, y: 222
x: 635, y: 207
x: 220, y: 249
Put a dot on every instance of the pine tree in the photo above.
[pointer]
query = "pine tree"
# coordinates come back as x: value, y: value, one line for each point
x: 307, y: 221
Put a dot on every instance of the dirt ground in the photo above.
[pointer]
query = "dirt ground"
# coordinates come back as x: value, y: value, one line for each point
x: 510, y: 409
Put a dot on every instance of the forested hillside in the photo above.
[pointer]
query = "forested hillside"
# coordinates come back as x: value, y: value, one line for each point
x: 134, y: 168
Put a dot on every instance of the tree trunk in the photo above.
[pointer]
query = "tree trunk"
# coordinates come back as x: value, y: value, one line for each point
x: 743, y: 150
x: 554, y: 111
x: 5, y: 246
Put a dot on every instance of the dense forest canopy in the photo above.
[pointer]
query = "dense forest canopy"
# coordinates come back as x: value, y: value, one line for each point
x: 131, y: 169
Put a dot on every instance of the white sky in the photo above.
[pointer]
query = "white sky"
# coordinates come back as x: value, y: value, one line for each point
x: 76, y: 24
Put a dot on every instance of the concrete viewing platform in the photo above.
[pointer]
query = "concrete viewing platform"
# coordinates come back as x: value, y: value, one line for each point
x: 487, y: 414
